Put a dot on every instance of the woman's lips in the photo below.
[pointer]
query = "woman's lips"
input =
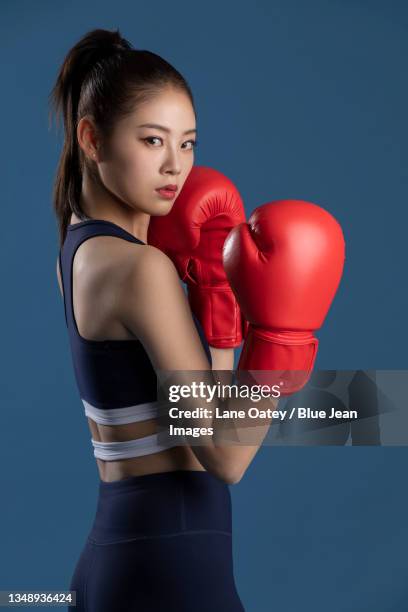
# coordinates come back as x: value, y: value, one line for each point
x: 167, y: 194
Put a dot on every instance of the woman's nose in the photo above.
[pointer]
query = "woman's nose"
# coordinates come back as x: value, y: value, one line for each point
x: 172, y: 162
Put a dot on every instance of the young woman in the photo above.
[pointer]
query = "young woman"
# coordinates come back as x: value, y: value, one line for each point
x: 161, y: 539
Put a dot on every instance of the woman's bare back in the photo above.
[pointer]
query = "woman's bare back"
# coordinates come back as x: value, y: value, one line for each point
x: 99, y: 276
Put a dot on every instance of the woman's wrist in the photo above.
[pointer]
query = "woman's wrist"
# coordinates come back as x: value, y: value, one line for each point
x: 222, y: 358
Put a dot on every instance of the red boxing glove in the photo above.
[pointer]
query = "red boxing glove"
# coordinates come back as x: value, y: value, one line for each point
x: 284, y: 266
x: 192, y: 234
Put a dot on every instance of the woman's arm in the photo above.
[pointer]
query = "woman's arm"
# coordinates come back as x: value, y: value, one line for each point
x: 154, y: 307
x: 222, y: 358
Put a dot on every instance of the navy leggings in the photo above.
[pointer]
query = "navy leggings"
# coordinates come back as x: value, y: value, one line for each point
x: 159, y: 542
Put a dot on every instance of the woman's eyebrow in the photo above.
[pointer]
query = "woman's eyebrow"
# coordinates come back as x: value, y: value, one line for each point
x: 164, y: 129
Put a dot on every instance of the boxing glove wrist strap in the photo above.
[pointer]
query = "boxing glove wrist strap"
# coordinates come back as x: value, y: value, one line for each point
x: 218, y: 312
x: 281, y: 352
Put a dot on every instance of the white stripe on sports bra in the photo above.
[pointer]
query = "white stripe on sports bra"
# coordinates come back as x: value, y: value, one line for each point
x: 122, y: 416
x: 154, y: 443
x: 113, y: 451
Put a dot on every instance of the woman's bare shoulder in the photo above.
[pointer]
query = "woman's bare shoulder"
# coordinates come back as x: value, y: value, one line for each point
x: 126, y: 269
x: 151, y: 259
x: 112, y: 261
x: 153, y: 275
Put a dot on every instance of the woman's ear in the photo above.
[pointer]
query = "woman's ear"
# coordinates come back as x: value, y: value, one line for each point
x: 88, y: 138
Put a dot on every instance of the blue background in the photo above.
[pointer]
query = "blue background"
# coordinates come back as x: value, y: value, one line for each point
x: 295, y: 100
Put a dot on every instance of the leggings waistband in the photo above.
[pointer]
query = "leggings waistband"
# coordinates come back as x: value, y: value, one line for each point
x: 161, y: 504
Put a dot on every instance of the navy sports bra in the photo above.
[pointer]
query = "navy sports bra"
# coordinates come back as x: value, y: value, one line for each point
x: 116, y: 380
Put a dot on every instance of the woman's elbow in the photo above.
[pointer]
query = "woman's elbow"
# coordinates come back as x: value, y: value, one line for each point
x: 231, y: 475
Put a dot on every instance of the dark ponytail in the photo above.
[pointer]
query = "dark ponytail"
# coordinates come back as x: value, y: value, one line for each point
x: 105, y: 77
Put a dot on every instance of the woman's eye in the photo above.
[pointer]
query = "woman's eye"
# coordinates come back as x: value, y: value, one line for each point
x: 149, y: 138
x: 193, y: 144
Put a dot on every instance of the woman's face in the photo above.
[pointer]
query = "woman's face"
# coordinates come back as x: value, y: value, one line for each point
x: 140, y: 159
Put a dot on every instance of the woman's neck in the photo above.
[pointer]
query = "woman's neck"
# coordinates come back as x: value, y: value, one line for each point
x: 97, y: 203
